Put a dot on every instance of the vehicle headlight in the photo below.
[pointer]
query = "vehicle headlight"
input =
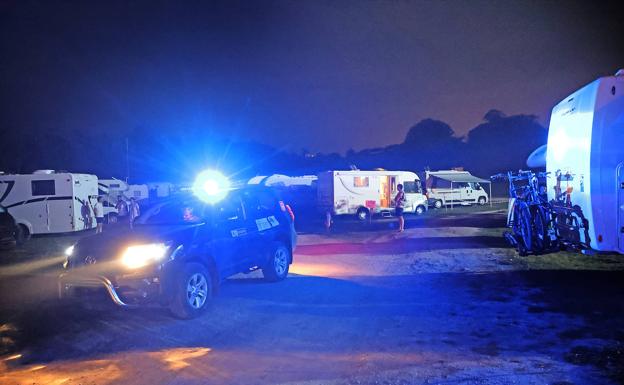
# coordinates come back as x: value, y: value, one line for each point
x: 69, y: 251
x: 142, y: 255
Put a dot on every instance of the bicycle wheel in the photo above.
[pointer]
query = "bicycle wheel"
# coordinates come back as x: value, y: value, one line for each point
x: 539, y: 221
x: 522, y: 228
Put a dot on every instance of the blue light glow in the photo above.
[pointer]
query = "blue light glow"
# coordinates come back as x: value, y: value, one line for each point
x: 211, y: 186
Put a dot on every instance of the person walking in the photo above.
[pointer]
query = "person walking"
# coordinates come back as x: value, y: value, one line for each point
x: 399, y: 204
x: 122, y: 209
x: 98, y: 210
x: 133, y: 210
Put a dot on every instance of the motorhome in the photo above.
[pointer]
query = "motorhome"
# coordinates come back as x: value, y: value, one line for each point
x: 46, y: 202
x: 115, y: 187
x: 111, y: 189
x: 585, y: 159
x: 279, y: 180
x: 454, y: 187
x: 363, y: 193
x: 160, y: 189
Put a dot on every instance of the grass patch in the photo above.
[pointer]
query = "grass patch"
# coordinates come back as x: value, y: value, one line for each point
x: 571, y: 261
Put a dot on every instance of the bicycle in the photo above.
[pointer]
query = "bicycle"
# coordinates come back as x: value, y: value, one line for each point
x: 530, y: 216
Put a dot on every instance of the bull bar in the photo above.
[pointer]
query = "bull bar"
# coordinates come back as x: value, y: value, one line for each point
x: 65, y: 282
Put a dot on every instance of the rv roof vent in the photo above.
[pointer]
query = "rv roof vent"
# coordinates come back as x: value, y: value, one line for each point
x: 43, y: 172
x: 620, y: 72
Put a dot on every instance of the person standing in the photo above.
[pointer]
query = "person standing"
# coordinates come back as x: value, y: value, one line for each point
x: 98, y: 210
x: 134, y: 210
x: 399, y: 204
x: 122, y: 209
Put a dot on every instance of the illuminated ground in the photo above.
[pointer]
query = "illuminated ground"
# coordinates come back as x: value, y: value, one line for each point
x: 446, y: 302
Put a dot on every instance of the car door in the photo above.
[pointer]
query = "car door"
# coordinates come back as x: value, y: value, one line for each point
x: 262, y: 224
x: 230, y: 236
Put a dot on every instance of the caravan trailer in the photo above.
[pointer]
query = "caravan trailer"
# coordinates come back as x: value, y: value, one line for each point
x: 585, y: 158
x: 363, y: 193
x: 47, y: 202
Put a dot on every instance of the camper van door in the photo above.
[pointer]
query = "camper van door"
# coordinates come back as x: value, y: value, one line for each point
x: 467, y: 193
x: 620, y: 184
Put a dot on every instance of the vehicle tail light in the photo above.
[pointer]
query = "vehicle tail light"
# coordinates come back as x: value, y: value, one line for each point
x: 290, y: 211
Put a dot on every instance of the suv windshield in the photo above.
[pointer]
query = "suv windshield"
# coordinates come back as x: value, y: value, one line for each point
x: 176, y: 213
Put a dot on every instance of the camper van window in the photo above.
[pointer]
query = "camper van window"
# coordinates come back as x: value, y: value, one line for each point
x: 43, y: 187
x: 411, y: 187
x: 360, y: 181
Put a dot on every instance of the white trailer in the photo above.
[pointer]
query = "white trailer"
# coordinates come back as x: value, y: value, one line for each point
x: 363, y: 193
x: 47, y: 202
x: 585, y: 158
x: 279, y: 180
x: 160, y: 189
x: 115, y: 187
x: 453, y: 187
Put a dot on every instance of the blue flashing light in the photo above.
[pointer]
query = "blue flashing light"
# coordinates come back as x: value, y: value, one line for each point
x: 211, y: 186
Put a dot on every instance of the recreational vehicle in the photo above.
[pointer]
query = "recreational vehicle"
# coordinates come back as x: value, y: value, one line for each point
x: 279, y: 180
x: 160, y: 189
x: 111, y: 189
x: 585, y: 159
x: 115, y: 187
x: 452, y: 187
x: 46, y: 202
x: 363, y: 193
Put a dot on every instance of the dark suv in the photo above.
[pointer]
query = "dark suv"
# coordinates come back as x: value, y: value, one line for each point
x: 8, y: 229
x: 181, y: 249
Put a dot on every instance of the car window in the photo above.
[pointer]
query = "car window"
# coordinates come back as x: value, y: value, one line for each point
x: 260, y: 203
x: 176, y: 213
x: 230, y: 210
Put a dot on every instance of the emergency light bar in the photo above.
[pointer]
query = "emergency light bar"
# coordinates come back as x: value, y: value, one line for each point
x: 211, y: 186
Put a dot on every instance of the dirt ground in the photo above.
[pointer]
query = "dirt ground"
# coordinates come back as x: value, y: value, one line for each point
x: 445, y: 302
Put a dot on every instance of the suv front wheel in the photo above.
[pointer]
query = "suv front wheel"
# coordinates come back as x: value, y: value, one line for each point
x: 192, y: 291
x: 276, y: 268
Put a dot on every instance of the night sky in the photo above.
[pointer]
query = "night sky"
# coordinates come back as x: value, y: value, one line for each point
x: 321, y: 75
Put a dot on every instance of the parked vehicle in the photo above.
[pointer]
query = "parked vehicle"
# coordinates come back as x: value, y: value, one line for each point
x: 47, y: 202
x: 160, y: 189
x: 279, y: 180
x: 111, y: 189
x: 182, y: 248
x: 451, y: 187
x: 8, y: 230
x: 363, y: 193
x: 585, y: 158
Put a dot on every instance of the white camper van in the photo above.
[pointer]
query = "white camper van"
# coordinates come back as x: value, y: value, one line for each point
x: 368, y: 192
x: 585, y: 158
x: 452, y: 187
x: 46, y: 202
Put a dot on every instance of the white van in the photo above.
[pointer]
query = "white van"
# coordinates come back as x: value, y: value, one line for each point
x: 585, y: 158
x: 452, y: 187
x: 47, y: 202
x: 363, y: 193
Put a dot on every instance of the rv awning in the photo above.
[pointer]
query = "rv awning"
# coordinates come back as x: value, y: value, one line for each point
x: 458, y: 177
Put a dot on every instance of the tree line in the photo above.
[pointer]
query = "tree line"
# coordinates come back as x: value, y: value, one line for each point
x: 499, y: 143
